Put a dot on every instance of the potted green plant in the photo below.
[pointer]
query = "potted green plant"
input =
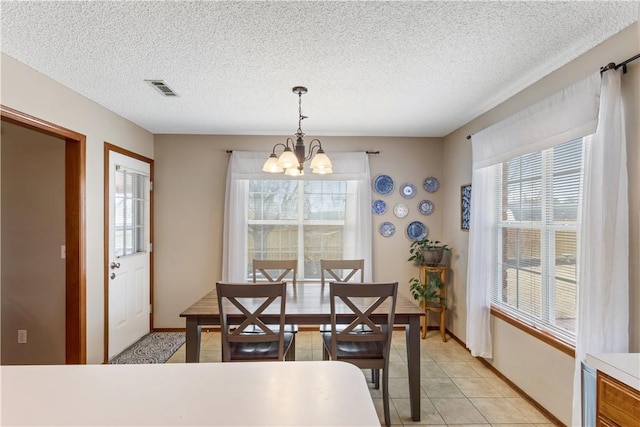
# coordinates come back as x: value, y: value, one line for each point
x: 428, y: 291
x: 427, y: 252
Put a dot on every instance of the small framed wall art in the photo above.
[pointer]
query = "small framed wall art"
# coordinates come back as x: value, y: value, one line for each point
x: 465, y: 206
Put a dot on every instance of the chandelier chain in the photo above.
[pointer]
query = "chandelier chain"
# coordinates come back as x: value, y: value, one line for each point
x: 300, y: 116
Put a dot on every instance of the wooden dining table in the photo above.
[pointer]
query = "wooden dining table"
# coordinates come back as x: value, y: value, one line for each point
x: 308, y: 304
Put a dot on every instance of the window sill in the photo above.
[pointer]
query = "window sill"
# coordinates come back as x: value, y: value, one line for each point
x: 543, y: 336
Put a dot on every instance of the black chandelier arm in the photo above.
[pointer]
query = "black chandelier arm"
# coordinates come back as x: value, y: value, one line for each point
x: 317, y: 148
x: 280, y: 144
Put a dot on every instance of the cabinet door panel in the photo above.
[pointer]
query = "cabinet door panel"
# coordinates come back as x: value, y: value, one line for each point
x: 617, y: 402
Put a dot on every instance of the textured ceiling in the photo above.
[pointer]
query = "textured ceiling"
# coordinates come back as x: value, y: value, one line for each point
x: 372, y: 68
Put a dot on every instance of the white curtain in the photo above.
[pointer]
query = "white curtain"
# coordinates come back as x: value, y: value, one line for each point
x: 603, y: 296
x: 480, y: 264
x: 247, y: 165
x: 568, y: 114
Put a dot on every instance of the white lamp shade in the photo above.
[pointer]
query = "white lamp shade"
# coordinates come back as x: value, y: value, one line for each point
x: 321, y: 161
x: 322, y: 171
x: 294, y: 172
x: 288, y: 160
x: 271, y: 165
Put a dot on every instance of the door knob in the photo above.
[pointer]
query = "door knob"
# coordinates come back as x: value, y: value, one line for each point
x: 113, y: 276
x: 115, y: 265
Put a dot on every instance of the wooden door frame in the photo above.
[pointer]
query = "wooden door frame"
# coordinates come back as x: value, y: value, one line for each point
x: 107, y: 148
x: 75, y: 229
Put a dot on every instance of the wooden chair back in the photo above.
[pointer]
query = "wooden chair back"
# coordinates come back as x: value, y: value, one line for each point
x: 282, y: 268
x: 242, y: 328
x: 362, y: 301
x: 341, y: 270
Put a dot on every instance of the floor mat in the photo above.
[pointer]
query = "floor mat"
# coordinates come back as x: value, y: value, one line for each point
x: 156, y: 347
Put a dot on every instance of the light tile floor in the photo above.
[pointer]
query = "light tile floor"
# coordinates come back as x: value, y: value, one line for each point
x: 456, y: 389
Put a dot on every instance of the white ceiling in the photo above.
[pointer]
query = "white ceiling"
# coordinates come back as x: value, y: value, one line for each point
x: 372, y: 68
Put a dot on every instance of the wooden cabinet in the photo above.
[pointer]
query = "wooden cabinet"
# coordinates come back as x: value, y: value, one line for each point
x: 617, y: 403
x: 435, y: 307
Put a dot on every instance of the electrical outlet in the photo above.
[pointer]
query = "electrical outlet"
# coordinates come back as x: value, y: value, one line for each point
x: 22, y: 336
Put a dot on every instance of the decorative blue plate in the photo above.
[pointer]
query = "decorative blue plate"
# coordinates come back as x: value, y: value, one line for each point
x: 431, y: 184
x: 425, y: 207
x: 378, y: 207
x: 408, y: 190
x: 383, y: 184
x: 417, y: 230
x: 387, y: 229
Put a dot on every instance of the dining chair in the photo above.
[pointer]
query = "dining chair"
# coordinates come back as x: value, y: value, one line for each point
x: 341, y: 270
x: 246, y: 336
x: 275, y: 270
x: 344, y: 270
x: 366, y: 350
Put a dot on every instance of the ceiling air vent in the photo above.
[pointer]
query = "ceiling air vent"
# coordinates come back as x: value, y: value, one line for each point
x: 162, y: 87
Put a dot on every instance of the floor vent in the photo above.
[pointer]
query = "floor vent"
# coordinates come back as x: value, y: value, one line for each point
x: 162, y: 87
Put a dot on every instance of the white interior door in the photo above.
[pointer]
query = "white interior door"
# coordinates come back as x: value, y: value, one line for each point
x: 129, y: 247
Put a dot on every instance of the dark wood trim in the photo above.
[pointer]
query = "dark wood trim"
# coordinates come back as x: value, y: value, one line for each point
x: 34, y: 123
x: 107, y: 148
x: 105, y: 252
x: 541, y: 335
x: 76, y: 303
x: 151, y: 240
x: 211, y: 329
x: 458, y: 340
x: 75, y: 226
x: 524, y: 395
x: 178, y: 329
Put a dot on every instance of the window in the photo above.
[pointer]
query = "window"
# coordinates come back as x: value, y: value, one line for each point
x: 130, y: 202
x: 292, y: 219
x: 273, y: 216
x: 535, y: 238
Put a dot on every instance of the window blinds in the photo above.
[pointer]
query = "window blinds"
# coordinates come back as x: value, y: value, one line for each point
x: 537, y: 197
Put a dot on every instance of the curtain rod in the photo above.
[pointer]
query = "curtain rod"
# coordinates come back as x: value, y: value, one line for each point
x: 623, y: 64
x: 368, y: 152
x: 609, y: 66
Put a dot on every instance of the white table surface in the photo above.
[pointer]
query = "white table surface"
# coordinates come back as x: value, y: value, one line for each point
x: 217, y: 394
x: 625, y: 367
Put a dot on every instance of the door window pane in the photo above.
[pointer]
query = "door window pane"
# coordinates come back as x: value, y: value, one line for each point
x: 130, y: 212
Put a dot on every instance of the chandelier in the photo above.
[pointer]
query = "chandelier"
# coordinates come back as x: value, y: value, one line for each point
x: 293, y: 156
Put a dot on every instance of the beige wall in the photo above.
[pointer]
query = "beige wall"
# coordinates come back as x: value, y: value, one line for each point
x: 26, y: 90
x: 513, y: 348
x: 189, y: 200
x: 33, y: 230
